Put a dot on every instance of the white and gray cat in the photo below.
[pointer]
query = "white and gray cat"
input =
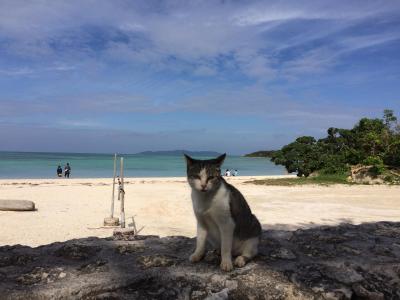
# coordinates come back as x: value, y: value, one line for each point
x: 224, y: 218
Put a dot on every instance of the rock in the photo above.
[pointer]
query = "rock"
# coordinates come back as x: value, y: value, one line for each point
x: 283, y: 253
x: 17, y: 205
x: 31, y: 278
x: 329, y: 262
x: 130, y: 248
x: 198, y: 295
x: 231, y: 284
x: 76, y: 251
x: 155, y: 261
x: 221, y: 295
x: 99, y: 265
x: 40, y: 274
x: 7, y: 259
x: 363, y: 293
x: 344, y: 274
x: 107, y: 296
x: 365, y: 175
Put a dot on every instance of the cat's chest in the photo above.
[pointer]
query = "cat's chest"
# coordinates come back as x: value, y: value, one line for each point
x: 213, y: 208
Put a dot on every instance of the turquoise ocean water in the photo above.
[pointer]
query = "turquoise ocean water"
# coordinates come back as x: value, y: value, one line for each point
x: 44, y: 165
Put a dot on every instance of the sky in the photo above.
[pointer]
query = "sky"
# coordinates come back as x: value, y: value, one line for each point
x: 228, y: 76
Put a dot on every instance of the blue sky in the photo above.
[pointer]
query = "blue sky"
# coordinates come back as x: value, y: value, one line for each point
x: 229, y: 76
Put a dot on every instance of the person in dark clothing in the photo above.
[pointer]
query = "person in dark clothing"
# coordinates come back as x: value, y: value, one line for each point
x: 67, y: 170
x: 59, y: 171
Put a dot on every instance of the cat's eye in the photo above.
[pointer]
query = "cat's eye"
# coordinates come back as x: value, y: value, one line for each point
x: 210, y: 178
x: 195, y: 177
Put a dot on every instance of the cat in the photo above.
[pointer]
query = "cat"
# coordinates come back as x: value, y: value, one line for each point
x: 224, y: 218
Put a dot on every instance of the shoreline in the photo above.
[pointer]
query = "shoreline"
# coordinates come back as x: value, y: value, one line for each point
x: 131, y: 179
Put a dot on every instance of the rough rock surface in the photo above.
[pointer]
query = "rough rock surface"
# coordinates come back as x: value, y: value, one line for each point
x: 342, y: 262
x: 365, y: 175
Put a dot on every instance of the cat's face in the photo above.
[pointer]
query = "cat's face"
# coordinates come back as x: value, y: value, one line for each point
x: 204, y: 175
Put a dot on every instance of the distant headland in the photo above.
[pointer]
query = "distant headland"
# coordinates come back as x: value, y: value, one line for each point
x: 262, y: 153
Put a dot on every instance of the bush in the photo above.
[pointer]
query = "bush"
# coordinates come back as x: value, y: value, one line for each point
x: 377, y: 164
x: 333, y: 164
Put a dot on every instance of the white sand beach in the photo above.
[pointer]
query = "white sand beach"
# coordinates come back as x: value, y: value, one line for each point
x: 75, y: 208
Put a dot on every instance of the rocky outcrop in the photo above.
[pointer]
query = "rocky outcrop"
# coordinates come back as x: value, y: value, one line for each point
x: 366, y: 175
x: 342, y: 262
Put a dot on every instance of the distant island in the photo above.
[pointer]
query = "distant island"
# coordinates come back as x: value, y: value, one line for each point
x: 264, y: 153
x: 179, y: 152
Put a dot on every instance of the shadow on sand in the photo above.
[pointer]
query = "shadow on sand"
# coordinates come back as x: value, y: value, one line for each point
x: 326, y: 262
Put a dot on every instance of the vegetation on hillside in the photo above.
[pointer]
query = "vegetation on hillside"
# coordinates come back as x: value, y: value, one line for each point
x: 371, y: 142
x: 266, y: 153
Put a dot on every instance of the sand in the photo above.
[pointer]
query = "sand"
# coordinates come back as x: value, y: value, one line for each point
x: 76, y: 208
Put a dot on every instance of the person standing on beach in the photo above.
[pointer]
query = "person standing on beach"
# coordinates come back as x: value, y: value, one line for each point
x: 59, y: 171
x: 67, y: 170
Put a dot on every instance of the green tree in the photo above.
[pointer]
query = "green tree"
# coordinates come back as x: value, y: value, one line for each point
x: 373, y: 142
x: 389, y: 118
x: 391, y: 139
x: 300, y: 156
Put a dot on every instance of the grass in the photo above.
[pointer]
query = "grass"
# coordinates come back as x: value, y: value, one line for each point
x: 320, y: 180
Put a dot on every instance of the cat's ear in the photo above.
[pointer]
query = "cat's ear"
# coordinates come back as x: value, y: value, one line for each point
x: 220, y: 159
x: 189, y: 160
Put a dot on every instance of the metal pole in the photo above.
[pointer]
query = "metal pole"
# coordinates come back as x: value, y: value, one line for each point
x: 113, y: 189
x: 122, y: 191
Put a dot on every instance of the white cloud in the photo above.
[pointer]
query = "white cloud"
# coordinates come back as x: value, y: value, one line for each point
x: 204, y: 70
x: 141, y: 32
x: 16, y: 72
x: 78, y: 123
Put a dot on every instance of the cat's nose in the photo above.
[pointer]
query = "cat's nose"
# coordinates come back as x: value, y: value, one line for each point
x: 203, y: 186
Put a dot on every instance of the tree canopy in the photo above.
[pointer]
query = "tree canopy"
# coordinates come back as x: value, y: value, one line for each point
x: 370, y: 142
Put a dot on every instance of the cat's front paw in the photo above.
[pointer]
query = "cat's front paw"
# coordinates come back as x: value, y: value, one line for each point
x: 226, y: 265
x: 195, y: 257
x: 240, y: 261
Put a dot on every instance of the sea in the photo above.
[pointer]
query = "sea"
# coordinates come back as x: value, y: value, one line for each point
x: 35, y: 165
